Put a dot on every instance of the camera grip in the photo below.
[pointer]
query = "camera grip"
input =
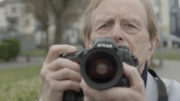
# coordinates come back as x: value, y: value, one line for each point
x: 71, y: 95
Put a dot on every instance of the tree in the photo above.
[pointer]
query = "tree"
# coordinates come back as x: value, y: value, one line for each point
x: 63, y: 12
x: 58, y: 8
x: 40, y: 8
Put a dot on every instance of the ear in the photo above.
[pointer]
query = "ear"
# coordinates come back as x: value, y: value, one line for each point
x: 154, y: 43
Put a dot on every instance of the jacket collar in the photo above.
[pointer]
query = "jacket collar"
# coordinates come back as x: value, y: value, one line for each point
x: 151, y: 88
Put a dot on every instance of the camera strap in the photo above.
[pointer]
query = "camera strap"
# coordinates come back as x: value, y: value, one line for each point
x: 162, y: 92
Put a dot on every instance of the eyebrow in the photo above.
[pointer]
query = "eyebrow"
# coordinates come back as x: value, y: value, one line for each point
x: 132, y: 19
x: 105, y: 19
x: 101, y: 20
x: 137, y: 20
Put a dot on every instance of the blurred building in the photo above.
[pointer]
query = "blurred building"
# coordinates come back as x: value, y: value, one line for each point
x: 73, y: 25
x: 17, y: 22
x: 3, y: 21
x: 161, y: 8
x: 168, y: 14
x: 175, y: 17
x: 12, y: 13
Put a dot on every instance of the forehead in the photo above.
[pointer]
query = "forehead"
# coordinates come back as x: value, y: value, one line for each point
x: 107, y: 8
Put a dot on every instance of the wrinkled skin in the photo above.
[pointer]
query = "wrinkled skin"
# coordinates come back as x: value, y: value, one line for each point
x: 126, y: 22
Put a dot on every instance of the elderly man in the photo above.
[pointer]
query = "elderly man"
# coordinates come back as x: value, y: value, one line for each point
x: 130, y: 23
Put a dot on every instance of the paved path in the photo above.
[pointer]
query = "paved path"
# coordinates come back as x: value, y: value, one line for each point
x: 21, y: 62
x: 170, y: 69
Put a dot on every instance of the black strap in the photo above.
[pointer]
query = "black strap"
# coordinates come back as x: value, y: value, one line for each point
x: 162, y: 92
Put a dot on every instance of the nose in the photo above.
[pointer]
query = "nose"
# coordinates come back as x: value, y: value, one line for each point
x: 117, y: 34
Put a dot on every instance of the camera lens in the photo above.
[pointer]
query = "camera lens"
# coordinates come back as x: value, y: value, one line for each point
x: 101, y: 67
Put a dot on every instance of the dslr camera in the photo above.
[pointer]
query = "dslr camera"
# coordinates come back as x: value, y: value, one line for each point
x: 101, y: 66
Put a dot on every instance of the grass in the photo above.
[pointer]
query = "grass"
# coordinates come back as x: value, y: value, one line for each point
x: 20, y: 84
x: 38, y: 52
x: 169, y: 55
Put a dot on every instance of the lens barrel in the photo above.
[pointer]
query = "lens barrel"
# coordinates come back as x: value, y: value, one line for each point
x: 101, y: 68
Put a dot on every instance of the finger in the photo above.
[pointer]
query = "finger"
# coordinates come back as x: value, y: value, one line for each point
x: 66, y: 85
x: 103, y: 95
x: 66, y: 74
x: 57, y: 50
x: 133, y: 76
x: 63, y: 63
x: 88, y: 91
x: 44, y: 73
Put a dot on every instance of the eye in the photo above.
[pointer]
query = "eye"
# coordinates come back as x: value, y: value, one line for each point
x: 107, y: 25
x: 104, y: 26
x: 129, y: 25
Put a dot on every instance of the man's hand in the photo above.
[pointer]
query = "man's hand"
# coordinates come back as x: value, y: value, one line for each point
x: 136, y: 92
x: 59, y: 74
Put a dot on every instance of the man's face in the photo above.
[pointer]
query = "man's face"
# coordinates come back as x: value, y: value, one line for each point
x: 126, y: 22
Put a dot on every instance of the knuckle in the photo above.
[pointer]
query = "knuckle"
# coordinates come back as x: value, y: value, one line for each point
x: 69, y: 84
x: 43, y: 72
x: 59, y: 62
x: 76, y: 65
x: 63, y: 62
x: 52, y: 48
x: 56, y: 65
x: 66, y: 71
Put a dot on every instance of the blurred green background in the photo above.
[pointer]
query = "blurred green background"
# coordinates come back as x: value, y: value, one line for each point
x: 20, y: 84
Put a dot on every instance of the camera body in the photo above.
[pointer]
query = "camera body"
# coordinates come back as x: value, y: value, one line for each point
x: 101, y: 66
